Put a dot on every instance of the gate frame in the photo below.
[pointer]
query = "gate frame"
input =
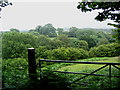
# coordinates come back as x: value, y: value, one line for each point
x: 86, y: 74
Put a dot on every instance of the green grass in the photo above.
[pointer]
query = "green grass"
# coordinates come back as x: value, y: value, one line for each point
x: 51, y: 38
x: 84, y: 67
x: 93, y: 81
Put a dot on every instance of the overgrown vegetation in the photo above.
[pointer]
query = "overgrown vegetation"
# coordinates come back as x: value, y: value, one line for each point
x: 15, y: 43
x: 74, y: 44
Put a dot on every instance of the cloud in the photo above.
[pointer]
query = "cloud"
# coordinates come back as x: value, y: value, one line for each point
x: 25, y: 15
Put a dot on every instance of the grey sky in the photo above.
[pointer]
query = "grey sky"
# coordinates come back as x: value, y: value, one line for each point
x: 28, y: 15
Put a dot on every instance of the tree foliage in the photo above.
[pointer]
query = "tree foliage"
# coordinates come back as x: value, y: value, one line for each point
x: 15, y: 43
x: 89, y: 36
x: 116, y: 34
x: 66, y: 54
x: 107, y: 7
x: 62, y: 47
x: 59, y: 31
x: 14, y: 73
x: 47, y: 30
x: 109, y: 11
x: 4, y: 3
x: 106, y: 50
x: 14, y: 30
x: 72, y: 32
x: 64, y: 39
x: 76, y: 43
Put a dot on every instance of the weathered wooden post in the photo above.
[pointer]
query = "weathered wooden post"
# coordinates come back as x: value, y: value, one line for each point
x: 110, y: 74
x: 32, y: 63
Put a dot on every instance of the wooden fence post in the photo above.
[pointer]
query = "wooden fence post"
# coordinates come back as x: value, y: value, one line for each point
x: 110, y: 74
x: 32, y: 63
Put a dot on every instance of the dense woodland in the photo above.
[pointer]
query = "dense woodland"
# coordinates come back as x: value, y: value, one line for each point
x: 51, y: 43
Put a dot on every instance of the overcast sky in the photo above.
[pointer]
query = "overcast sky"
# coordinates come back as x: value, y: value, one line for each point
x: 28, y: 15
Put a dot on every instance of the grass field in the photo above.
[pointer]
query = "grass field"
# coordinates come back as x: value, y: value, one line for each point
x: 93, y: 81
x: 90, y: 81
x: 84, y: 67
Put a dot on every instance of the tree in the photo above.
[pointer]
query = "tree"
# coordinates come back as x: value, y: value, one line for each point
x: 39, y: 29
x: 59, y: 31
x: 103, y: 41
x: 76, y: 43
x: 106, y: 35
x: 83, y: 44
x: 64, y: 39
x: 14, y: 30
x: 49, y: 30
x: 55, y: 43
x: 32, y: 30
x: 109, y: 11
x: 15, y: 44
x: 117, y: 34
x: 105, y: 50
x: 72, y: 32
x: 88, y: 35
x: 107, y: 7
x: 63, y: 53
x: 4, y: 3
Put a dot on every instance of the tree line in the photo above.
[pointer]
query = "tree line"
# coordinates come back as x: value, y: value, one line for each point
x: 52, y: 43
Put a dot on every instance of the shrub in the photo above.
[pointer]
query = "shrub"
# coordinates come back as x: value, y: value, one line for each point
x: 76, y: 43
x: 14, y: 72
x: 40, y: 51
x: 106, y: 50
x: 66, y: 54
x: 15, y: 76
x: 57, y: 54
